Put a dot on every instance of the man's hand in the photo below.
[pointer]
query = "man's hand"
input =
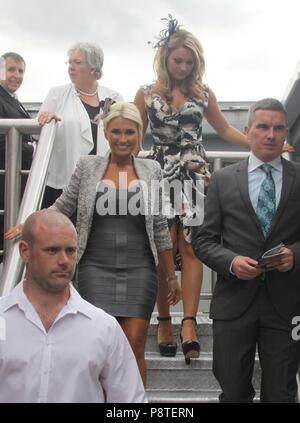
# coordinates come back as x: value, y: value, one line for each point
x: 245, y: 268
x: 282, y: 263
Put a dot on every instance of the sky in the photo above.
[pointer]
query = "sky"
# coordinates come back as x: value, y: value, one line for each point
x: 251, y: 47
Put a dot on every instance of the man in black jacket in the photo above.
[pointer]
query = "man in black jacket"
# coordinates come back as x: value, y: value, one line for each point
x: 10, y: 108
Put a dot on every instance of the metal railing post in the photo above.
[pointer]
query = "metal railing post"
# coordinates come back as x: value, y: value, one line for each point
x: 13, y: 266
x: 13, y: 163
x: 217, y: 164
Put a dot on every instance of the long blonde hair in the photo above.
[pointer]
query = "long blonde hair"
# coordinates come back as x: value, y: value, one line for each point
x: 193, y: 85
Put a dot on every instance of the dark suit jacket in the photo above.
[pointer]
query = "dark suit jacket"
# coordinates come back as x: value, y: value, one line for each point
x: 231, y: 228
x: 11, y: 108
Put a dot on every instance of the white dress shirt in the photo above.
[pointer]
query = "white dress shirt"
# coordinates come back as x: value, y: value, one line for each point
x: 257, y: 175
x: 84, y: 357
x: 255, y: 179
x: 74, y: 133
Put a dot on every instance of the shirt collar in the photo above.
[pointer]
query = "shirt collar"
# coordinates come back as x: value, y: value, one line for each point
x: 75, y: 304
x: 254, y: 162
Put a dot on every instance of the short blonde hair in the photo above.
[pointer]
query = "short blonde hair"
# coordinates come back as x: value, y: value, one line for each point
x: 193, y: 86
x: 126, y: 111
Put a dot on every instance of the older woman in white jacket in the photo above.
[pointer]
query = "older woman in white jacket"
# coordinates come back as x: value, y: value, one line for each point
x: 76, y: 105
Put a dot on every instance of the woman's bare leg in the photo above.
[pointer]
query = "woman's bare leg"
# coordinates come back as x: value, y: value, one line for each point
x: 165, y: 331
x: 191, y: 282
x: 136, y: 332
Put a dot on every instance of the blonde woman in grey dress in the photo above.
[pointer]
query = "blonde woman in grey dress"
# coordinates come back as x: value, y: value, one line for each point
x: 117, y: 270
x: 119, y: 245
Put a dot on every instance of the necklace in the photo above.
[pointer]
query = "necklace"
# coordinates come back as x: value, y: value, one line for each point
x: 80, y: 92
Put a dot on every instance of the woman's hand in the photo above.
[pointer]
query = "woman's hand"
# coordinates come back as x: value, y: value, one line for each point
x: 174, y: 295
x: 14, y: 232
x: 288, y: 148
x: 47, y: 117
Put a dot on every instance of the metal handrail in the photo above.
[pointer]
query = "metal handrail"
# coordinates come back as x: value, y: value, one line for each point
x: 34, y: 190
x: 14, y: 129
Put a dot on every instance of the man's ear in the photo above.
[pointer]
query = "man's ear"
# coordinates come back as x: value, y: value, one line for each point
x: 24, y: 251
x: 246, y: 130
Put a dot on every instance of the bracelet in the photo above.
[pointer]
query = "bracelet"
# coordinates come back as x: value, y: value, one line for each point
x: 171, y: 279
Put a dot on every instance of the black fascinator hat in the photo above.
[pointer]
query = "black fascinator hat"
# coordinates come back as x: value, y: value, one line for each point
x: 166, y: 33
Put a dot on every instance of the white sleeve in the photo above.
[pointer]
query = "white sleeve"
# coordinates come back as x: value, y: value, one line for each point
x: 120, y: 377
x: 51, y: 102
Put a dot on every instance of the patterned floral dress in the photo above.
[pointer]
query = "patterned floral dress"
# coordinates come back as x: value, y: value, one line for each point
x: 177, y: 146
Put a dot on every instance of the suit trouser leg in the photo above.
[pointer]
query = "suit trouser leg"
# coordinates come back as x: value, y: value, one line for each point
x: 279, y: 355
x: 234, y: 346
x: 234, y: 352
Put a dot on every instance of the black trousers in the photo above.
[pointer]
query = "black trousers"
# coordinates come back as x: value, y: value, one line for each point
x: 235, y: 344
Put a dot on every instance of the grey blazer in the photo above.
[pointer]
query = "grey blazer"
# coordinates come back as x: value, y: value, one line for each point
x: 81, y: 194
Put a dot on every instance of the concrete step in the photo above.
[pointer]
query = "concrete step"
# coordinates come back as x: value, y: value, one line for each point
x: 172, y: 374
x: 170, y: 379
x: 204, y: 332
x: 183, y: 396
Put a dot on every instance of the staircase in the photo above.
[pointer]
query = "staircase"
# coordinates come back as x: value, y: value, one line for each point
x: 171, y: 380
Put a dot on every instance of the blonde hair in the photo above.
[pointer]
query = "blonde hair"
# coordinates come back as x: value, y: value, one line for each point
x: 193, y: 85
x: 126, y: 111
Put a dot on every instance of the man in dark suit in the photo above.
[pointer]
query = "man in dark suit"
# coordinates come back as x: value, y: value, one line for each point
x: 10, y: 108
x: 251, y: 207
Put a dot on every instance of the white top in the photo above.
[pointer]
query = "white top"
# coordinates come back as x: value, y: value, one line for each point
x: 84, y: 354
x: 74, y: 134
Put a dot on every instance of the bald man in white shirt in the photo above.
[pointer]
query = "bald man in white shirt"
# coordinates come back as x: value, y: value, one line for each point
x: 55, y: 346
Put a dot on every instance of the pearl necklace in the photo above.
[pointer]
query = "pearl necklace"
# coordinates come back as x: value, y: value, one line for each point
x: 80, y: 92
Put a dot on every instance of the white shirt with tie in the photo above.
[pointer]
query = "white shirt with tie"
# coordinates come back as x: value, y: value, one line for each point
x: 256, y: 176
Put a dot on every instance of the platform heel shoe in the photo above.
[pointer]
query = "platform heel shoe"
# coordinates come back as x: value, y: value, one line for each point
x: 166, y: 349
x: 190, y: 349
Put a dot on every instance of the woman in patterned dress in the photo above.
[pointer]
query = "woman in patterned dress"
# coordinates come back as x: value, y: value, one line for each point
x: 175, y: 106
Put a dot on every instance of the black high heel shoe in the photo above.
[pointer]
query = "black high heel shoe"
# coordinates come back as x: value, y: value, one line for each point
x: 191, y: 349
x: 166, y: 349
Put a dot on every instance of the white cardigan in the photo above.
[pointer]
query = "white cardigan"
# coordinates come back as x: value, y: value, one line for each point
x: 74, y: 134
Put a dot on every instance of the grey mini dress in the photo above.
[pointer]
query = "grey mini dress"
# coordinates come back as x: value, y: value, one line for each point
x: 117, y: 271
